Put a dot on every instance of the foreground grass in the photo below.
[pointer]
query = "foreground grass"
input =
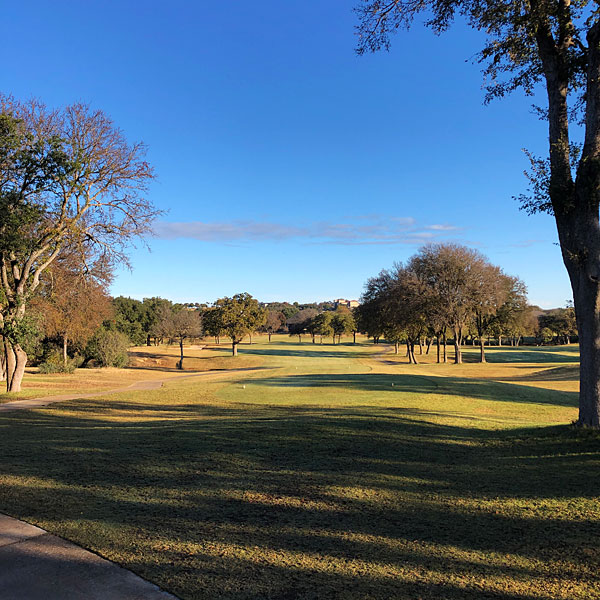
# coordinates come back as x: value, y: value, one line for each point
x: 315, y: 477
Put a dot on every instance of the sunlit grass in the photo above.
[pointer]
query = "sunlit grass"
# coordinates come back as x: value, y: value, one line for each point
x: 326, y: 472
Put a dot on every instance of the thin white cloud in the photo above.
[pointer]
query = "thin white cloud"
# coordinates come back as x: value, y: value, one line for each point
x: 442, y: 227
x: 364, y: 229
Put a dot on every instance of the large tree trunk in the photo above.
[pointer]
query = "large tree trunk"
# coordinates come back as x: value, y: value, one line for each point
x: 234, y: 346
x: 437, y: 345
x: 586, y: 296
x: 2, y: 360
x: 396, y: 345
x: 354, y: 337
x: 16, y: 363
x: 445, y: 351
x: 412, y: 354
x: 482, y: 350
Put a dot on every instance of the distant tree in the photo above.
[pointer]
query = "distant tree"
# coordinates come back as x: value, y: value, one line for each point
x: 452, y: 272
x: 274, y: 321
x: 130, y: 316
x: 321, y: 325
x: 368, y: 318
x: 211, y: 320
x: 155, y: 313
x: 298, y: 323
x: 184, y: 324
x: 497, y: 295
x: 342, y: 322
x: 238, y: 316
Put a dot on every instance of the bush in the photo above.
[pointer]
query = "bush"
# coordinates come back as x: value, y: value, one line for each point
x: 108, y: 348
x: 54, y: 363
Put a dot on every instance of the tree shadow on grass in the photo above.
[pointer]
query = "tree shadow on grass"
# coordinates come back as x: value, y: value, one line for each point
x: 423, y: 385
x: 309, y: 502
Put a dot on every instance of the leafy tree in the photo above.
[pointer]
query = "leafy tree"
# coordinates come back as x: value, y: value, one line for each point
x: 184, y: 324
x: 299, y: 322
x: 499, y: 298
x: 452, y: 273
x: 321, y: 325
x: 67, y: 178
x: 238, y: 316
x: 130, y: 315
x: 73, y: 300
x: 211, y: 320
x: 274, y: 321
x: 155, y: 313
x: 554, y: 43
x: 108, y: 348
x: 368, y: 316
x: 342, y: 322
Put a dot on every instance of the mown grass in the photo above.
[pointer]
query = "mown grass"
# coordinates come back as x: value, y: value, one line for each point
x: 315, y: 477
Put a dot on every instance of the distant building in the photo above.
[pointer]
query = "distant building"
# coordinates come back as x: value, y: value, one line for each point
x: 346, y: 303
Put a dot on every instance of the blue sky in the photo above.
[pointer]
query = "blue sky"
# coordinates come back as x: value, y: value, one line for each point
x: 290, y: 167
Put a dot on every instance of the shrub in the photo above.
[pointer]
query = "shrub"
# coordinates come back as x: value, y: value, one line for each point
x: 108, y: 348
x: 54, y: 363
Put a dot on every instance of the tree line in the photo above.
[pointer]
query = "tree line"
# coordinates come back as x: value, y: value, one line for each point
x: 445, y: 291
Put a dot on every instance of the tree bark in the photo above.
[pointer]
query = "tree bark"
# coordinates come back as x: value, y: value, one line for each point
x: 65, y: 356
x: 482, y: 350
x: 234, y: 346
x: 180, y: 363
x: 2, y: 360
x: 354, y: 337
x: 269, y: 334
x: 429, y: 342
x: 445, y: 352
x: 412, y: 353
x: 457, y: 347
x: 437, y: 345
x: 17, y: 361
x: 396, y: 347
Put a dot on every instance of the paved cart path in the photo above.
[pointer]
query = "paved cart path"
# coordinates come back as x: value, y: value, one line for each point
x: 39, y: 566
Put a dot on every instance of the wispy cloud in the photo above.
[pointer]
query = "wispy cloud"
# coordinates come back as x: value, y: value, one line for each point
x: 527, y: 243
x: 364, y: 229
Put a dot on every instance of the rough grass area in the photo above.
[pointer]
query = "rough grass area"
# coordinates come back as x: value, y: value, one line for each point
x: 145, y: 362
x: 332, y: 472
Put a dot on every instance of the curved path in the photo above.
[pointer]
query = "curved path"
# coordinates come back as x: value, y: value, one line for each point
x: 39, y: 566
x: 148, y: 384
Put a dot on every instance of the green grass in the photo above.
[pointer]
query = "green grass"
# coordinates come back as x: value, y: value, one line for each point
x: 314, y: 477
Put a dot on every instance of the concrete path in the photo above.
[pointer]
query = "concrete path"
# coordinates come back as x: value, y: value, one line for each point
x: 149, y: 384
x: 35, y: 565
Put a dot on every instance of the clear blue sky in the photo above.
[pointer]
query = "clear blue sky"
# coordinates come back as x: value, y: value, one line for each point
x: 290, y: 167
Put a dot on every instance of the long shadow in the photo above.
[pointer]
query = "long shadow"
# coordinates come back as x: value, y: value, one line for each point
x: 423, y: 385
x: 301, y: 353
x: 321, y: 500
